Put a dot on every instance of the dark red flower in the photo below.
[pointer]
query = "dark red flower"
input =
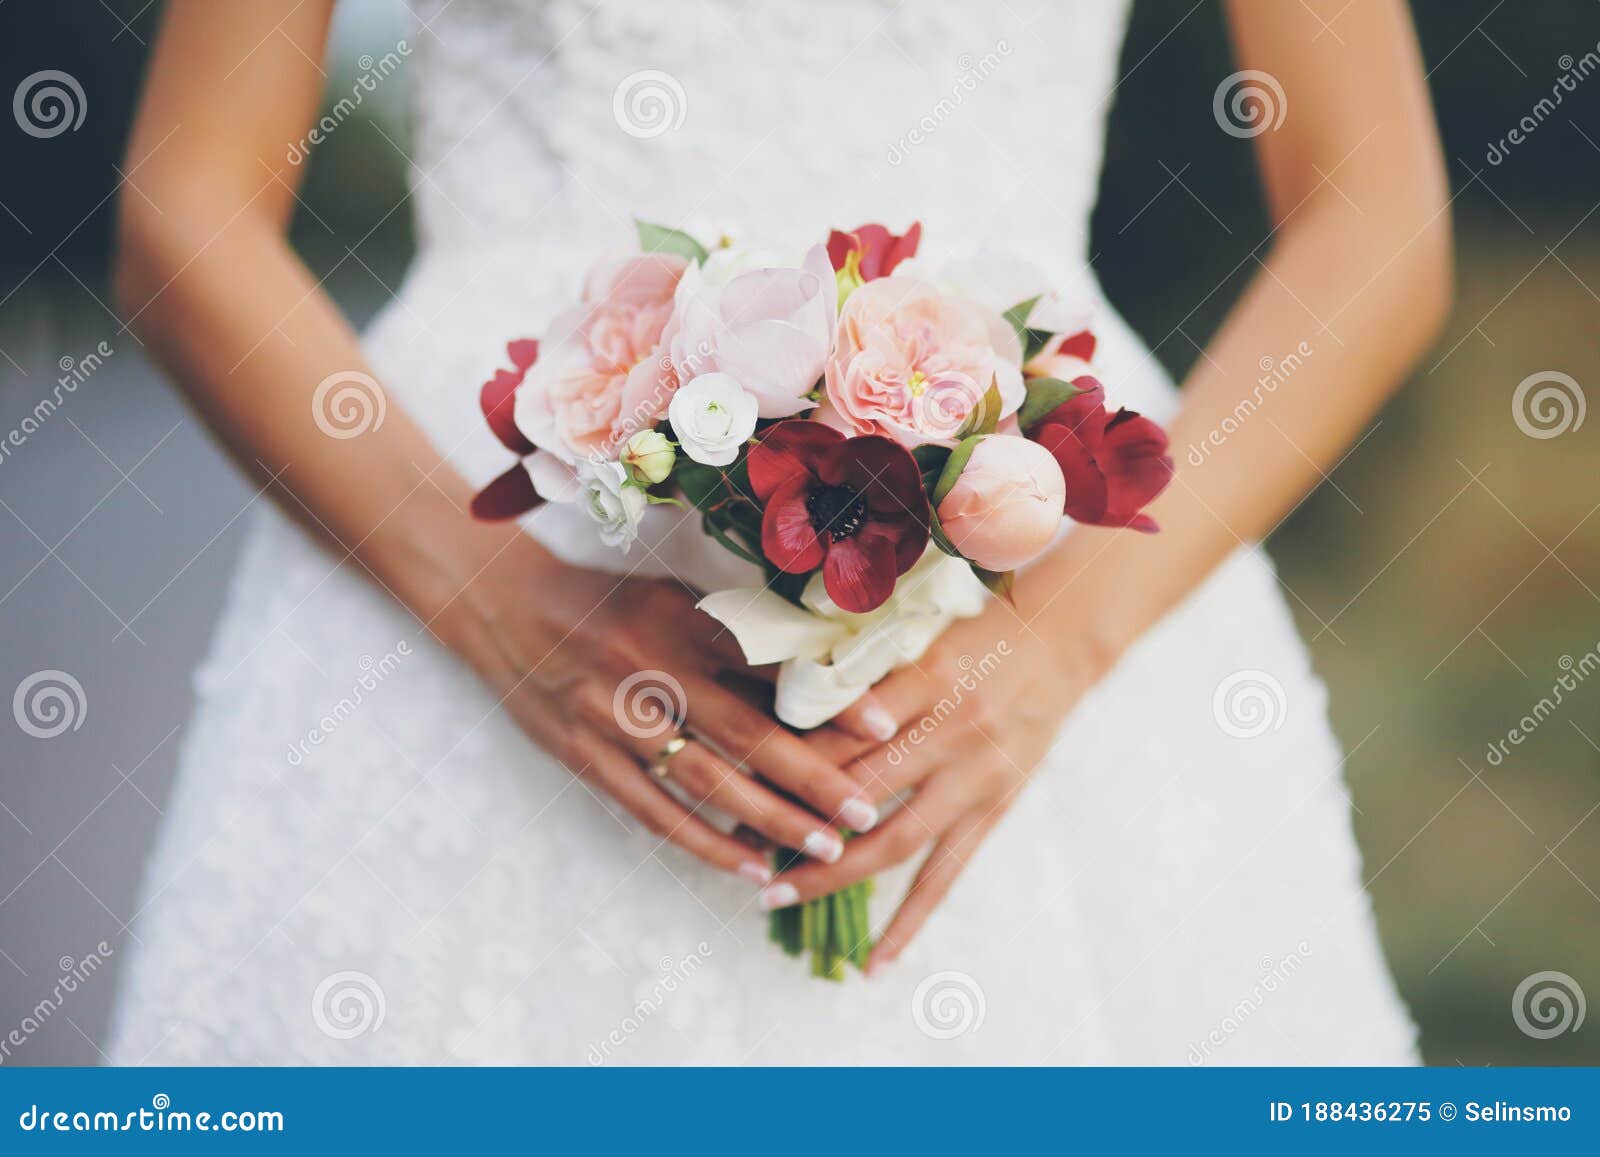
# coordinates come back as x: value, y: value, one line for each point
x: 498, y: 397
x: 878, y: 250
x: 507, y: 496
x: 853, y: 506
x: 1114, y: 464
x: 512, y: 493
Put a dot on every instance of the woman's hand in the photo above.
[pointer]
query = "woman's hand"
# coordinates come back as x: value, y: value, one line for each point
x: 977, y: 713
x: 603, y: 671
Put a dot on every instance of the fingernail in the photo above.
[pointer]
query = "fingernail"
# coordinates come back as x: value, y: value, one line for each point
x: 877, y: 968
x: 779, y: 896
x: 756, y: 872
x: 824, y: 846
x: 858, y: 814
x: 879, y: 723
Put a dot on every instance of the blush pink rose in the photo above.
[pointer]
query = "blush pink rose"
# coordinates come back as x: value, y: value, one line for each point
x: 913, y: 363
x: 602, y: 373
x: 1006, y: 507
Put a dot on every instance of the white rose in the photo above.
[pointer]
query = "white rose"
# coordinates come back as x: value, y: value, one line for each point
x: 608, y: 496
x: 712, y: 415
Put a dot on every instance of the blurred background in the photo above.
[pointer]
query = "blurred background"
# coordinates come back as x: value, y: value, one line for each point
x: 1446, y: 573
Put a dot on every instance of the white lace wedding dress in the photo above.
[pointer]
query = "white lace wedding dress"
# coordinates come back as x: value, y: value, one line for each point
x: 364, y: 862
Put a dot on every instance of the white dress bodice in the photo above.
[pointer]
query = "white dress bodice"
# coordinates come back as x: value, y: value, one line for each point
x: 553, y: 123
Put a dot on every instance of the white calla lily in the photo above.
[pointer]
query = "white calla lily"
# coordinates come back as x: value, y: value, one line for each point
x: 829, y: 658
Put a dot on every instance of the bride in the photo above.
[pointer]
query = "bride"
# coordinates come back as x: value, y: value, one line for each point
x: 409, y: 826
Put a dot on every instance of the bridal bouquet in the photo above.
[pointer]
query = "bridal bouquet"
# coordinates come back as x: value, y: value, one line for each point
x: 882, y: 440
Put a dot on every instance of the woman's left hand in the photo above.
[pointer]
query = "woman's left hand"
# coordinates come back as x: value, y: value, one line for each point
x: 973, y: 718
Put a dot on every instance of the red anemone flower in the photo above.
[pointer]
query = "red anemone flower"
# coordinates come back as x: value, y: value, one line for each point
x: 1114, y: 464
x: 853, y: 506
x: 877, y: 250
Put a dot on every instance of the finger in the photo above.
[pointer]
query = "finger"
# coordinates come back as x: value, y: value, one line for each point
x: 903, y: 698
x: 631, y: 786
x: 753, y: 839
x: 708, y: 779
x: 758, y: 742
x: 886, y: 771
x: 930, y: 812
x: 945, y: 862
x: 868, y: 718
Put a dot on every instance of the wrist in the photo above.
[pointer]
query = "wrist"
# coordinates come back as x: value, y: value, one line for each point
x: 460, y: 577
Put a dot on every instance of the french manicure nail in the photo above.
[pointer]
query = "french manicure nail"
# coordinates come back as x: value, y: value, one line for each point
x: 779, y: 896
x: 824, y: 846
x: 877, y: 968
x: 858, y: 814
x: 879, y: 723
x: 756, y: 872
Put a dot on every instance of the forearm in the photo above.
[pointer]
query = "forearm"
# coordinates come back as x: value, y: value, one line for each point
x: 1342, y: 309
x: 239, y: 322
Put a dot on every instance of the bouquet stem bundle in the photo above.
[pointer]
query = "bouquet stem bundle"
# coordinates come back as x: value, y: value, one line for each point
x: 834, y: 928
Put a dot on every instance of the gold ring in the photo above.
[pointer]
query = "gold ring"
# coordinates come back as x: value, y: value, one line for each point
x: 658, y: 766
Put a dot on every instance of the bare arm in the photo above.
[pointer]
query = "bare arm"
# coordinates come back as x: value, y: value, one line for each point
x: 205, y: 272
x: 1359, y: 270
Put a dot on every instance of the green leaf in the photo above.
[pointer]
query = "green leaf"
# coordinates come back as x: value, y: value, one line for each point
x: 1017, y: 317
x: 660, y: 239
x: 954, y: 465
x: 1044, y: 395
x: 986, y: 418
x: 930, y: 460
x: 936, y: 532
x: 727, y: 540
x: 1034, y: 340
x: 1000, y: 583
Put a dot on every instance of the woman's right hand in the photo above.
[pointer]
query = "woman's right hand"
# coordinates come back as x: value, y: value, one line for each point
x: 602, y: 670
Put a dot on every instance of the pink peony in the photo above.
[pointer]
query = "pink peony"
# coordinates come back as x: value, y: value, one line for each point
x: 602, y: 374
x: 1006, y: 506
x: 770, y: 329
x: 913, y: 364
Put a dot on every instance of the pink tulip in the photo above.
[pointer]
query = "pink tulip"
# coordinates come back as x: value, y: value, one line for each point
x: 1005, y: 508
